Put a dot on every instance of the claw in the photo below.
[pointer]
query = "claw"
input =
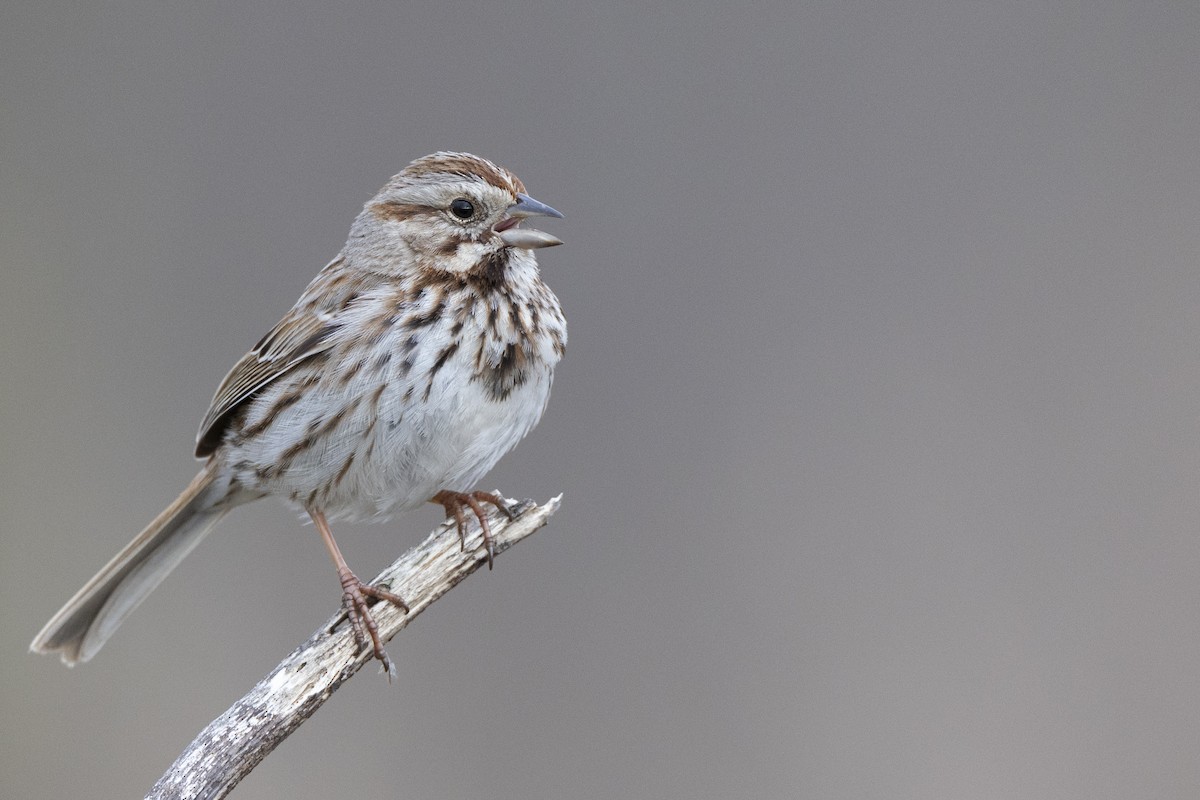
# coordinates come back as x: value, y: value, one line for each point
x: 358, y: 611
x: 453, y: 502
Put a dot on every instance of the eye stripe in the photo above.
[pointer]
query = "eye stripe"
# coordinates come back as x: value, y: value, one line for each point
x: 398, y: 212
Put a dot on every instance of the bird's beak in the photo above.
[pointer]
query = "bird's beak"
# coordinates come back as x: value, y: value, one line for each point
x: 526, y: 238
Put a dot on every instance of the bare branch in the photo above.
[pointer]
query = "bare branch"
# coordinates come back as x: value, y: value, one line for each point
x: 235, y: 742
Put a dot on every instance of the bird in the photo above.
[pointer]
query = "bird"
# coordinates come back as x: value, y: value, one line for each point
x: 421, y: 354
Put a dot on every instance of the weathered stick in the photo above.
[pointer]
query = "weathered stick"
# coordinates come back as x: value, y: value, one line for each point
x: 235, y: 742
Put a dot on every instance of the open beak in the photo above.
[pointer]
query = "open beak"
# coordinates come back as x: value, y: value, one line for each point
x: 526, y: 238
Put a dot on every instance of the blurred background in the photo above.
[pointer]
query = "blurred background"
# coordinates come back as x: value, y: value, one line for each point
x: 877, y: 430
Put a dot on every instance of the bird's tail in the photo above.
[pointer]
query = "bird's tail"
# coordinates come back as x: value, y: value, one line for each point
x: 83, y: 625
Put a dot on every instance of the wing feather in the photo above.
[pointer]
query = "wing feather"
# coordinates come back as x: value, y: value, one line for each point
x: 300, y: 335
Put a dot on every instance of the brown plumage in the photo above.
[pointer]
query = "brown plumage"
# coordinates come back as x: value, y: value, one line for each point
x: 413, y: 361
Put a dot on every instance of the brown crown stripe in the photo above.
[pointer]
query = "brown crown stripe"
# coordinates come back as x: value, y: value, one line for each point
x: 465, y: 166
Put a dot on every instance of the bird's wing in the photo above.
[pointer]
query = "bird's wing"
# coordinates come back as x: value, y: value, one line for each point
x: 300, y: 335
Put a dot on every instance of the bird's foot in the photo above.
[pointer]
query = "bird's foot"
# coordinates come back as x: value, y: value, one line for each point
x: 454, y: 502
x: 356, y: 597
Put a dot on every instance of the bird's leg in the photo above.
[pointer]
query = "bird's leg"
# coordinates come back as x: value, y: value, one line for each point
x: 453, y: 502
x: 355, y: 594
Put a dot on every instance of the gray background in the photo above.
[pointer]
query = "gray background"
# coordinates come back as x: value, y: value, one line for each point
x: 877, y: 428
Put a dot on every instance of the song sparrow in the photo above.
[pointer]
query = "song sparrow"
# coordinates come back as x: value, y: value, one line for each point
x: 412, y: 362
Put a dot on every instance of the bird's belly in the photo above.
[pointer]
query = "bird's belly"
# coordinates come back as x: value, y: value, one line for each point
x: 376, y: 448
x: 449, y: 441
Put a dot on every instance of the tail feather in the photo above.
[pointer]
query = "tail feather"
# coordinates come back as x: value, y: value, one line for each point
x: 84, y: 624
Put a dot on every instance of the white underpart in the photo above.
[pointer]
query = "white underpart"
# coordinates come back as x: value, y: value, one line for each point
x: 420, y: 445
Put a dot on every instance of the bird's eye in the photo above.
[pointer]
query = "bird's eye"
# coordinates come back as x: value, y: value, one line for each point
x: 462, y: 208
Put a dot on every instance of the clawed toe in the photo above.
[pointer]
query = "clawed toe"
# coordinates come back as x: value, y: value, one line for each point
x: 355, y: 600
x: 453, y: 502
